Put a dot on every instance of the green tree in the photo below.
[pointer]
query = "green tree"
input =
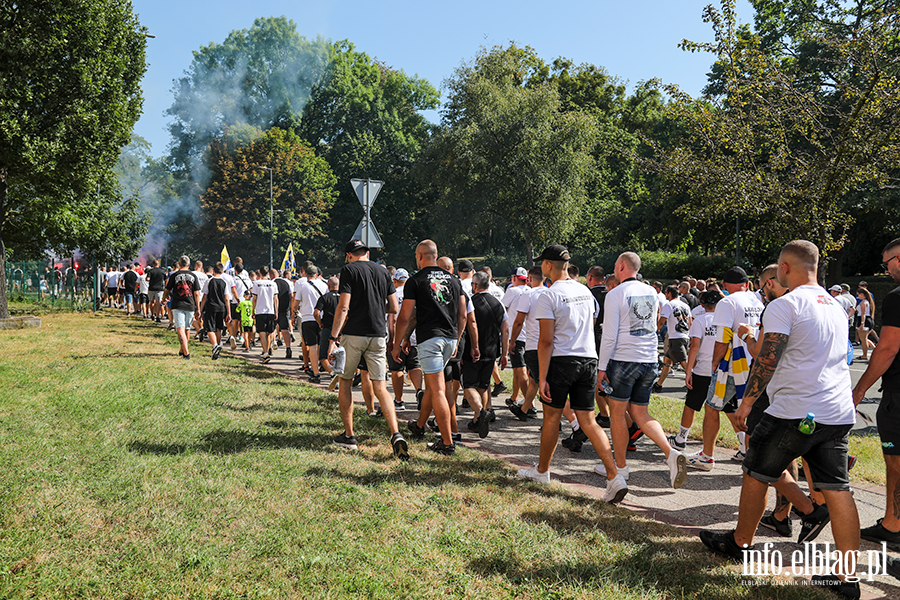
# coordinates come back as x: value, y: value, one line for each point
x: 236, y: 204
x: 70, y: 75
x: 781, y: 138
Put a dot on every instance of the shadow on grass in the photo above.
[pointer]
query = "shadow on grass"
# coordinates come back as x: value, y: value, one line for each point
x: 233, y: 442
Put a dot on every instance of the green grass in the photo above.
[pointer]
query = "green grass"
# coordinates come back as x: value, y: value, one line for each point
x: 128, y: 473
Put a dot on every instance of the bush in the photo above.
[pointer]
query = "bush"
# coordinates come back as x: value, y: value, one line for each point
x: 667, y: 266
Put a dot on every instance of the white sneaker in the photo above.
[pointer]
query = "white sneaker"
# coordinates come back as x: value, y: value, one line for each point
x: 534, y: 475
x: 600, y: 470
x: 699, y: 460
x: 677, y: 468
x: 616, y: 488
x: 233, y: 343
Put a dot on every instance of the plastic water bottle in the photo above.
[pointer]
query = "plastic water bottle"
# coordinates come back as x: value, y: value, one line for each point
x: 340, y: 358
x: 849, y: 352
x: 606, y: 387
x: 807, y: 425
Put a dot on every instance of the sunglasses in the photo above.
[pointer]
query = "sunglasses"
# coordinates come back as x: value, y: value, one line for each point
x: 885, y: 264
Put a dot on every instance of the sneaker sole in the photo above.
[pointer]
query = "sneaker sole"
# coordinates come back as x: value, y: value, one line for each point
x: 701, y: 466
x: 891, y: 545
x: 681, y: 476
x: 484, y: 426
x: 814, y: 532
x: 771, y: 527
x: 347, y: 446
x: 401, y: 449
x: 620, y: 495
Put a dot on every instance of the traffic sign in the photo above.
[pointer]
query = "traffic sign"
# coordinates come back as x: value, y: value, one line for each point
x: 367, y: 190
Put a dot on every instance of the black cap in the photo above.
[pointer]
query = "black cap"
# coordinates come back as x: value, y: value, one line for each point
x: 553, y: 252
x: 710, y: 297
x: 354, y: 245
x: 465, y: 266
x: 735, y: 275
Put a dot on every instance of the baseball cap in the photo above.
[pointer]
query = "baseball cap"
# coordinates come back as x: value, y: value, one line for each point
x: 312, y: 270
x: 710, y: 297
x: 401, y: 274
x: 553, y: 252
x: 835, y: 288
x: 735, y: 275
x: 845, y: 287
x: 521, y: 273
x: 465, y: 266
x: 354, y: 245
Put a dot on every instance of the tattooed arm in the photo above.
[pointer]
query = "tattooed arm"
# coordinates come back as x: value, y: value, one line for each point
x: 770, y: 352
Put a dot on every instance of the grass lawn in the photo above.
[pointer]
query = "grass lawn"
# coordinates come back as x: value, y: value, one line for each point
x: 129, y: 473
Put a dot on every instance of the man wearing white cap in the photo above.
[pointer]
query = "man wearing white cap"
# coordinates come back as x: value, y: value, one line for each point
x: 407, y: 360
x: 511, y: 299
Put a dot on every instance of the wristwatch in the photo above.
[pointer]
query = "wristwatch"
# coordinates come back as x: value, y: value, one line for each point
x: 334, y: 339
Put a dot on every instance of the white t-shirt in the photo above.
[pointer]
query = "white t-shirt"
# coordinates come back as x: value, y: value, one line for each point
x: 265, y: 291
x: 229, y: 283
x: 202, y: 278
x: 511, y: 300
x: 812, y: 375
x: 467, y: 286
x: 677, y: 314
x: 307, y: 298
x: 113, y: 279
x: 698, y: 311
x: 571, y: 305
x: 144, y: 284
x: 703, y: 328
x: 495, y: 291
x: 733, y: 311
x: 630, y: 314
x: 531, y: 327
x: 846, y: 302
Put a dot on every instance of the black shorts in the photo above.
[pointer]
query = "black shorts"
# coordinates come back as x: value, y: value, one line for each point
x: 756, y: 413
x: 517, y: 355
x: 310, y: 331
x: 112, y: 291
x: 477, y: 375
x: 776, y: 443
x: 324, y: 342
x: 265, y: 323
x: 677, y: 350
x: 407, y: 361
x: 248, y: 328
x: 284, y: 321
x: 143, y: 298
x: 572, y: 378
x: 531, y: 363
x: 696, y: 397
x: 452, y: 371
x: 235, y: 315
x: 888, y: 420
x: 213, y: 321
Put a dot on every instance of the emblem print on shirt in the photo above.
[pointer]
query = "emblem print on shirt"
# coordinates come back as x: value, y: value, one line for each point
x: 640, y: 313
x: 439, y: 290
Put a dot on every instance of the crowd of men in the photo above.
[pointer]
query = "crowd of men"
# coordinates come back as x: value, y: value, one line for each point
x: 774, y: 357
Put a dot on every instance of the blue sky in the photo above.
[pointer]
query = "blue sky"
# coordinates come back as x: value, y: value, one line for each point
x: 634, y: 40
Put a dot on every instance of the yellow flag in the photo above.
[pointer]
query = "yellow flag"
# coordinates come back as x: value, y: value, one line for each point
x: 226, y: 260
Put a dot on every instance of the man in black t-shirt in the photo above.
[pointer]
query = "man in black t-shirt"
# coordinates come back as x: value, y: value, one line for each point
x: 156, y: 283
x: 323, y: 313
x: 215, y: 307
x: 185, y: 292
x: 360, y: 326
x: 440, y: 305
x: 129, y: 287
x: 885, y: 363
x: 493, y: 343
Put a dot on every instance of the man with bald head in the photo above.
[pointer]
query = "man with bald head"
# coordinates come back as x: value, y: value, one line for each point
x: 802, y: 365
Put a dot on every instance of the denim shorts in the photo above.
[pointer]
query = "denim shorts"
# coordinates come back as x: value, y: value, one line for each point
x: 129, y: 297
x: 632, y: 382
x: 183, y: 318
x: 776, y: 442
x: 572, y: 378
x: 435, y: 353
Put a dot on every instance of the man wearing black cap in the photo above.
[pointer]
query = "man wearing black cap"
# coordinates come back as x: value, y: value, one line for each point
x: 465, y: 270
x: 360, y: 326
x: 567, y: 362
x: 731, y: 361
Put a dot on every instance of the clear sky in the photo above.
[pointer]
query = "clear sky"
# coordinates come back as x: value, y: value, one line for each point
x: 634, y: 40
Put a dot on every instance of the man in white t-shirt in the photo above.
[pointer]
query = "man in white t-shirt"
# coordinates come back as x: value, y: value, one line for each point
x: 510, y: 301
x: 567, y: 360
x: 525, y: 322
x: 675, y: 316
x: 802, y: 364
x: 628, y: 361
x: 731, y: 362
x: 465, y: 270
x: 265, y: 307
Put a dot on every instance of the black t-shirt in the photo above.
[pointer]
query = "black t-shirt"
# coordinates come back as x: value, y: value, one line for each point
x: 890, y: 317
x: 369, y: 286
x: 216, y: 295
x: 181, y: 286
x: 599, y: 293
x: 489, y: 315
x: 129, y: 280
x: 690, y: 300
x: 156, y: 279
x: 327, y: 305
x: 437, y: 294
x: 284, y: 295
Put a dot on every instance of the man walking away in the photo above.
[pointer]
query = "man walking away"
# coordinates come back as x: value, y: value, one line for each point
x: 183, y: 289
x: 215, y: 308
x: 265, y: 307
x: 284, y: 308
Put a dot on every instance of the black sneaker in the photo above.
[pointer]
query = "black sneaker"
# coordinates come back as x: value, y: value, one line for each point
x: 844, y: 589
x: 893, y: 567
x: 401, y: 448
x: 673, y: 441
x: 288, y: 353
x: 308, y: 370
x: 217, y: 350
x: 510, y: 401
x: 417, y: 432
x: 419, y: 395
x: 491, y: 416
x: 314, y: 379
x: 357, y: 380
x: 456, y: 437
x: 345, y: 441
x: 499, y: 388
x: 811, y: 525
x: 602, y: 421
x: 634, y: 433
x: 531, y: 413
x: 186, y: 356
x: 432, y: 425
x: 575, y: 441
x: 877, y: 533
x: 484, y: 423
x: 782, y: 528
x: 398, y: 405
x: 723, y: 544
x: 518, y: 412
x: 439, y: 447
x: 472, y: 425
x: 656, y: 388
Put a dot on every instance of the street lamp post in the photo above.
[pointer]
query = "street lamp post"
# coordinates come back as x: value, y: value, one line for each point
x: 271, y: 214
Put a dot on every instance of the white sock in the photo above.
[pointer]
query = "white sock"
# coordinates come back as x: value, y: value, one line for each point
x: 575, y: 425
x: 682, y: 434
x: 742, y: 439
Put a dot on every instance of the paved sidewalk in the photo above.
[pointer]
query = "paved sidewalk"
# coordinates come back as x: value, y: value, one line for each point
x: 708, y: 500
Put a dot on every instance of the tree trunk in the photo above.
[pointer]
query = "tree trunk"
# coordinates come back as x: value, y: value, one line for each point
x: 529, y: 249
x: 4, y: 187
x: 835, y: 267
x: 487, y: 241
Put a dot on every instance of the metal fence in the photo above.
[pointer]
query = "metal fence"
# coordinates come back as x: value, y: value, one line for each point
x: 40, y: 282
